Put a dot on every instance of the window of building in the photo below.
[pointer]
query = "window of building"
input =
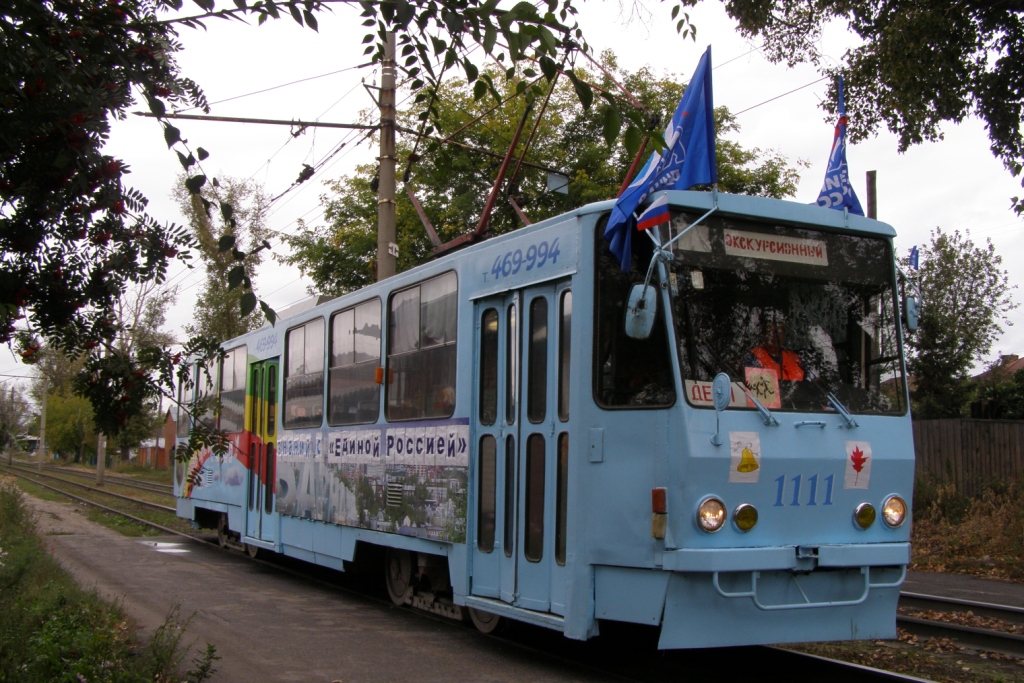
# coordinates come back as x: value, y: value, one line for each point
x: 353, y: 392
x: 421, y: 350
x: 304, y: 376
x: 232, y: 390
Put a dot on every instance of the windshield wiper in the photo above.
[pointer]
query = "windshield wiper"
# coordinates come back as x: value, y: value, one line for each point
x: 841, y: 409
x: 766, y: 415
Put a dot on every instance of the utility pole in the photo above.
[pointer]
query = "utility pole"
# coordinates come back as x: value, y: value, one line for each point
x: 42, y: 424
x: 872, y: 194
x: 387, y: 248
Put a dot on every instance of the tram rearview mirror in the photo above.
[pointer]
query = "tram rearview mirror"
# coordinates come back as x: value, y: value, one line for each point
x: 641, y: 308
x: 911, y: 311
x: 721, y: 391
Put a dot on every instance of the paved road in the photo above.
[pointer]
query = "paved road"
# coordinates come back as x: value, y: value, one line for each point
x: 975, y: 588
x: 270, y: 626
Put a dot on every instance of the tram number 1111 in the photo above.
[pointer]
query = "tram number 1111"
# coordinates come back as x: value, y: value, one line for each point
x: 511, y: 262
x: 796, y: 488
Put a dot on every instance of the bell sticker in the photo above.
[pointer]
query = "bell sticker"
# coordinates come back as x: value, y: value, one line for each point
x: 858, y: 465
x: 745, y: 451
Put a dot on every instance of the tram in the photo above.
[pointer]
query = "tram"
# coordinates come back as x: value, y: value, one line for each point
x: 526, y: 431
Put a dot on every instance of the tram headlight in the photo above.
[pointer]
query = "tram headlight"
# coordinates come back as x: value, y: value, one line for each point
x: 864, y: 515
x: 711, y: 515
x: 744, y: 517
x: 894, y: 511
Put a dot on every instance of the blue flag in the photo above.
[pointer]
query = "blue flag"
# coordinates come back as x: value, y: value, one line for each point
x: 915, y: 258
x: 836, y: 192
x: 689, y: 160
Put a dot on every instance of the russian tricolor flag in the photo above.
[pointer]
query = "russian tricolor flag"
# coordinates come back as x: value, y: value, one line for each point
x: 656, y: 214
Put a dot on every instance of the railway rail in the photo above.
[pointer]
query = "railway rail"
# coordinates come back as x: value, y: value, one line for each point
x: 144, y: 503
x: 625, y: 658
x: 969, y: 636
x: 153, y: 487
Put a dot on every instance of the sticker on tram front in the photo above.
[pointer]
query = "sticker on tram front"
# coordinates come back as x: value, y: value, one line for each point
x: 745, y: 453
x: 858, y: 465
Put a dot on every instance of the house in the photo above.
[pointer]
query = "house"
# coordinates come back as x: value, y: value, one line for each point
x: 159, y: 452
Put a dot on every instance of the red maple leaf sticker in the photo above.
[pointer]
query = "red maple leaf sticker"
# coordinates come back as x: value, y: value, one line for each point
x: 858, y: 460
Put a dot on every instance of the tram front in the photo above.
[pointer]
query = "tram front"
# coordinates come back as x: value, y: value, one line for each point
x: 781, y: 514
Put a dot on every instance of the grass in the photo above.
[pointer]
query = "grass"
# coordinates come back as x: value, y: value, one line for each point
x: 52, y: 630
x: 982, y: 535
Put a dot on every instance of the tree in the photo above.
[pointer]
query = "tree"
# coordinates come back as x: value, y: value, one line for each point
x: 921, y: 63
x: 216, y: 313
x: 452, y: 182
x: 69, y: 426
x: 1004, y: 400
x: 966, y: 296
x: 13, y: 418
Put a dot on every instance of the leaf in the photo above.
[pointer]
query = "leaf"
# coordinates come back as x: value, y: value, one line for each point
x: 226, y: 210
x: 269, y: 313
x: 583, y: 90
x: 225, y: 242
x: 310, y: 20
x: 490, y: 36
x: 156, y: 106
x: 195, y: 183
x: 471, y: 71
x: 675, y: 12
x: 479, y: 90
x: 548, y: 68
x: 296, y: 15
x: 207, y: 5
x: 248, y: 303
x: 611, y: 125
x: 186, y: 161
x: 235, y: 276
x: 632, y: 140
x: 171, y: 135
x: 202, y: 153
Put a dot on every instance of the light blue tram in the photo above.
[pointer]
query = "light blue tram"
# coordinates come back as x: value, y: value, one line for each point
x: 717, y: 441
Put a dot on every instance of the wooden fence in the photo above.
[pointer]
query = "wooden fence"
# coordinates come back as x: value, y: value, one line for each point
x: 969, y: 453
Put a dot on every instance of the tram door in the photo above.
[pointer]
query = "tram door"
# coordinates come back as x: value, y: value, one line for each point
x: 262, y: 422
x: 528, y: 446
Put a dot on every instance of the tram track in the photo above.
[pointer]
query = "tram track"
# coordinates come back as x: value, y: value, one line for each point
x: 137, y: 501
x: 987, y: 639
x: 152, y: 487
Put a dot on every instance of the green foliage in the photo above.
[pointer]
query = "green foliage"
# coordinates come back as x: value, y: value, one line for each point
x: 1005, y: 399
x: 920, y: 63
x: 69, y: 426
x: 225, y: 219
x: 452, y: 182
x: 52, y: 630
x: 966, y: 297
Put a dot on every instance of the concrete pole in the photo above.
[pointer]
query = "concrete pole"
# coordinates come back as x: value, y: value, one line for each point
x: 387, y: 248
x: 101, y: 457
x: 42, y: 424
x: 872, y: 194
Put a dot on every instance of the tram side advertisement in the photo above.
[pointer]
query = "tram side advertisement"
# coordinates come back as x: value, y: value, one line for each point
x: 405, y: 480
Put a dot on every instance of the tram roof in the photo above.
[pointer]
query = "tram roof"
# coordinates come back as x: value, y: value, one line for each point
x: 756, y: 208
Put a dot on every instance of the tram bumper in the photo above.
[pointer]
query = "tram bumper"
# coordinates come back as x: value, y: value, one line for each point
x: 747, y: 596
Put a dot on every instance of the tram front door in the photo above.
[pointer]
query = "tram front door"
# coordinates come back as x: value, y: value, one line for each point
x: 521, y: 451
x: 261, y: 421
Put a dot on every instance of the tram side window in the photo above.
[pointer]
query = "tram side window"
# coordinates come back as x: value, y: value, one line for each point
x: 232, y: 390
x: 184, y: 409
x: 422, y: 350
x: 205, y: 392
x: 304, y: 376
x: 489, y: 367
x: 353, y: 392
x: 628, y: 373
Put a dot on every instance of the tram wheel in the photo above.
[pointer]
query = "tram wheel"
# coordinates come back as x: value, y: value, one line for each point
x: 398, y: 575
x: 222, y: 530
x: 485, y: 622
x: 252, y: 550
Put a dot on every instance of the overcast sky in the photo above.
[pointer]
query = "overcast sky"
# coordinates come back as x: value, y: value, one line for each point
x: 952, y: 184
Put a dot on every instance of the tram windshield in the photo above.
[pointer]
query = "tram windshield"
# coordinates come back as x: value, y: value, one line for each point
x: 793, y: 314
